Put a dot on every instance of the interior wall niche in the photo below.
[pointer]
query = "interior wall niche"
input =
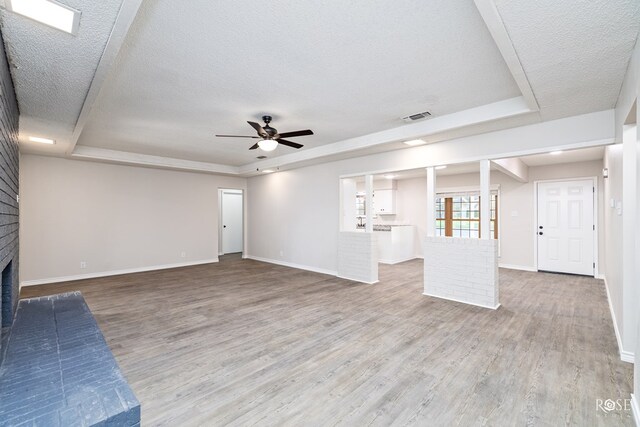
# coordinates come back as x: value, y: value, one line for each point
x: 6, y: 293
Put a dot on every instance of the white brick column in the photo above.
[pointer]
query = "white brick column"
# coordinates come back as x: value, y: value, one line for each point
x: 368, y: 188
x: 348, y: 211
x: 358, y: 256
x: 462, y: 269
x: 431, y: 201
x: 485, y: 200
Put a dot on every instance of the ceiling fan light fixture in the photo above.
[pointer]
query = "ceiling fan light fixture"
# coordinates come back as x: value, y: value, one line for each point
x: 268, y: 144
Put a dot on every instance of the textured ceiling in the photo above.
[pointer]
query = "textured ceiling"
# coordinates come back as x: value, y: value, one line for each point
x: 52, y: 70
x: 574, y: 53
x: 343, y: 69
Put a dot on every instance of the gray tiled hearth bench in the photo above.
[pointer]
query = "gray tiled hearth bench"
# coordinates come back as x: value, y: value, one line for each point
x: 58, y: 370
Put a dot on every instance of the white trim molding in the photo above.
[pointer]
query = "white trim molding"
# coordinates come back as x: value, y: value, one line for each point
x: 293, y: 265
x: 517, y: 267
x: 635, y: 409
x: 114, y: 272
x: 462, y: 302
x: 357, y: 280
x: 625, y: 356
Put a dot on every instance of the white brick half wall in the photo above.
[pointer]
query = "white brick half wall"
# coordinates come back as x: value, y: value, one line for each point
x: 358, y: 256
x: 464, y: 270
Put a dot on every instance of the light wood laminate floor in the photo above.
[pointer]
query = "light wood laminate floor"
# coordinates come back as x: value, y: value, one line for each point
x: 247, y: 343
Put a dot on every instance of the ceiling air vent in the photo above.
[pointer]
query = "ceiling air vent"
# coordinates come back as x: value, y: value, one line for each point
x: 416, y: 116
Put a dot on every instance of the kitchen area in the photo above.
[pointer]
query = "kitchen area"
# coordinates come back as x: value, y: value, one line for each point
x: 397, y: 239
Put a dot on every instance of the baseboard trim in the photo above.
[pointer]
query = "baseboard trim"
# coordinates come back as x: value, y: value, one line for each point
x: 635, y: 409
x: 463, y: 302
x: 517, y: 267
x: 293, y: 265
x: 625, y: 356
x: 384, y: 261
x: 114, y: 272
x: 357, y: 280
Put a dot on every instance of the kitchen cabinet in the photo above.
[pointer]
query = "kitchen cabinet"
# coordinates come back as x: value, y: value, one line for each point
x: 384, y: 202
x: 395, y: 243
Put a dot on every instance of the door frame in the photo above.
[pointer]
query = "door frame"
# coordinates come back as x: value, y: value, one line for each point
x: 242, y: 191
x: 596, y: 207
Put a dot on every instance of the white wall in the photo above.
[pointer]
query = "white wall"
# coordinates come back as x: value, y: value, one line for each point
x: 294, y: 217
x: 629, y: 94
x: 113, y: 217
x: 613, y: 232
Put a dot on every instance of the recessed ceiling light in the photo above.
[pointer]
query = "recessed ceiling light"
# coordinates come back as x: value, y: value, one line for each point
x: 415, y: 142
x: 555, y: 153
x: 267, y: 171
x: 48, y: 12
x: 389, y: 176
x: 41, y: 140
x: 441, y: 167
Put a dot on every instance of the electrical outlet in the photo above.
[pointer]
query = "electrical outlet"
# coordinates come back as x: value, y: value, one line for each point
x: 183, y: 254
x: 83, y: 264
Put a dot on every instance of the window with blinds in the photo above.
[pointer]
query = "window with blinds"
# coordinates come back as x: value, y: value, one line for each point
x: 458, y: 215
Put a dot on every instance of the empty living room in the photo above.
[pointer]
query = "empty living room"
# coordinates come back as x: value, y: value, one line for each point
x: 342, y: 213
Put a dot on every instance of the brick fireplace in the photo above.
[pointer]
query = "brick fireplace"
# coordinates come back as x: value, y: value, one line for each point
x: 9, y: 213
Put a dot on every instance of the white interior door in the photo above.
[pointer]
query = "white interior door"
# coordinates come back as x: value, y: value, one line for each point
x: 231, y: 221
x: 566, y: 227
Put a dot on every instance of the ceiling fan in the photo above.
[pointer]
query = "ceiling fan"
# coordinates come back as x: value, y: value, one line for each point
x: 269, y: 137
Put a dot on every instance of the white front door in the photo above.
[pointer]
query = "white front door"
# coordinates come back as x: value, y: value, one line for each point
x: 231, y: 221
x: 566, y: 227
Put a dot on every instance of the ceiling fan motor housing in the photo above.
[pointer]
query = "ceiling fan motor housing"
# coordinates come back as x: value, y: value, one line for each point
x: 271, y: 131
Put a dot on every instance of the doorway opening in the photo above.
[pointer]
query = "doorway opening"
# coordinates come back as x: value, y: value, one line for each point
x: 231, y: 221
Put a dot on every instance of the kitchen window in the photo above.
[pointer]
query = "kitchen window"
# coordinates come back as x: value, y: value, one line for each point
x: 459, y: 215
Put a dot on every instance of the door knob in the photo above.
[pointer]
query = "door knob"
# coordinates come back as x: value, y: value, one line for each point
x: 540, y: 227
x: 224, y: 226
x: 540, y: 233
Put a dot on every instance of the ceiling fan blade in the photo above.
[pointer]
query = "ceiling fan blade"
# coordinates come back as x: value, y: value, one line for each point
x: 289, y: 143
x: 296, y: 133
x: 254, y: 146
x: 263, y: 133
x: 236, y: 136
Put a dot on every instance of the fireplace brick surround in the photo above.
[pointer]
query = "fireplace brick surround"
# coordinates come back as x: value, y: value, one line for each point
x: 59, y: 371
x: 9, y: 167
